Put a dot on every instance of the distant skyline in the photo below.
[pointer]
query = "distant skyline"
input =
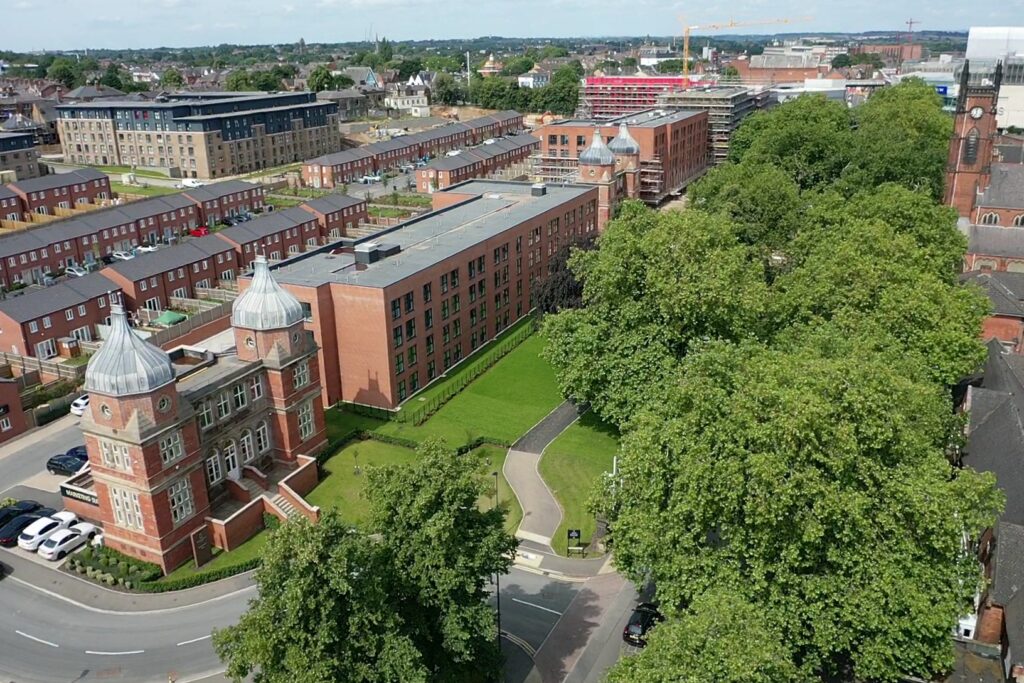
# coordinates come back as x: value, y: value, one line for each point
x: 73, y: 24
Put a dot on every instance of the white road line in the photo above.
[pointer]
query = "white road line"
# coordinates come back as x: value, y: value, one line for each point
x: 38, y: 640
x: 127, y: 652
x: 194, y: 640
x: 546, y: 609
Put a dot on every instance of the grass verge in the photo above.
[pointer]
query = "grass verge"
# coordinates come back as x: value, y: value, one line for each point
x: 223, y: 560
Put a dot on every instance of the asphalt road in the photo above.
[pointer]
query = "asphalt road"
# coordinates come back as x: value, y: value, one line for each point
x: 21, y: 460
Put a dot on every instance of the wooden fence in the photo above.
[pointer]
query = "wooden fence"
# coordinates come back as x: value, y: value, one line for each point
x: 66, y: 371
x: 192, y: 322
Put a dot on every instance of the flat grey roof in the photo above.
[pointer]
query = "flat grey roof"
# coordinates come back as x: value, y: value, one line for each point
x: 432, y: 238
x: 649, y: 118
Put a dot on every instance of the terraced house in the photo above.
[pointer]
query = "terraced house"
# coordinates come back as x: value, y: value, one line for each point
x: 201, y: 134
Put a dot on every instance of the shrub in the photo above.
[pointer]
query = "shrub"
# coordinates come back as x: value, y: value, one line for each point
x: 270, y: 521
x: 86, y: 554
x: 122, y: 568
x: 7, y: 501
x: 90, y: 571
x: 198, y: 579
x: 103, y: 561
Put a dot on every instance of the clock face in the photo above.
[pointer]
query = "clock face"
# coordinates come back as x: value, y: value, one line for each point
x: 977, y: 112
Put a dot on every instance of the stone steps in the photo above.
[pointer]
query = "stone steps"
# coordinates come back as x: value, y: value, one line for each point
x: 253, y: 487
x: 282, y: 504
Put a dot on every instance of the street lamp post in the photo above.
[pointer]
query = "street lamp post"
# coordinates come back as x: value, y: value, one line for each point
x: 497, y: 576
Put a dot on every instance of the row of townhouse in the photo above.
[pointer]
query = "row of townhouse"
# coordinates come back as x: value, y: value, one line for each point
x: 476, y: 162
x: 34, y: 322
x: 45, y: 194
x: 348, y: 166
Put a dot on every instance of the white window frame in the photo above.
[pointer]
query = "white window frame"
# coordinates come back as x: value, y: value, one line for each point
x: 306, y: 423
x: 262, y: 437
x: 115, y: 455
x: 214, y: 469
x: 240, y: 396
x: 256, y: 387
x: 223, y: 405
x: 245, y: 447
x: 127, y: 512
x: 172, y: 447
x: 300, y: 374
x: 179, y: 499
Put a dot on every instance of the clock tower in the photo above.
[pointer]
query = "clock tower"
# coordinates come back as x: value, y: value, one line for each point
x: 971, y: 147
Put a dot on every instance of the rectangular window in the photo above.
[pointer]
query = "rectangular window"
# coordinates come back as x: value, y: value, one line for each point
x: 396, y: 335
x: 396, y: 309
x: 33, y: 327
x: 401, y: 391
x: 409, y: 302
x: 214, y: 473
x: 446, y: 331
x: 457, y: 327
x: 447, y: 359
x: 179, y: 495
x: 414, y: 382
x: 241, y: 397
x: 127, y: 512
x: 410, y: 329
x: 456, y: 304
x: 262, y: 437
x: 171, y: 447
x: 205, y: 411
x: 472, y: 293
x: 412, y: 356
x: 430, y: 344
x: 431, y: 370
x: 256, y: 387
x: 223, y: 405
x: 426, y: 293
x: 115, y: 455
x: 5, y: 424
x: 455, y: 278
x: 306, y: 420
x: 46, y: 322
x: 399, y: 364
x: 444, y: 284
x: 300, y: 376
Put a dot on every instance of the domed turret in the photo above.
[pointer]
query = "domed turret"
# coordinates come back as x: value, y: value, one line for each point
x: 598, y: 153
x: 624, y: 142
x: 265, y: 305
x: 127, y: 364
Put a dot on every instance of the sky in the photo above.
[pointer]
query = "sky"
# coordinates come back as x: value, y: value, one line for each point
x: 75, y: 24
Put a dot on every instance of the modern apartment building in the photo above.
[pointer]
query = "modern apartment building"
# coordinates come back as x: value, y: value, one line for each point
x: 726, y: 106
x: 200, y: 135
x: 604, y: 97
x: 18, y: 154
x: 673, y: 148
x: 394, y: 312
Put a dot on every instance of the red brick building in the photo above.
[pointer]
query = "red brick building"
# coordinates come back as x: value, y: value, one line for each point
x: 341, y: 168
x: 394, y: 312
x: 337, y: 215
x: 225, y: 199
x: 1005, y: 290
x: 33, y: 323
x: 150, y: 280
x: 673, y: 149
x: 477, y: 162
x: 971, y: 149
x: 278, y: 235
x: 45, y: 194
x: 12, y: 418
x: 190, y: 450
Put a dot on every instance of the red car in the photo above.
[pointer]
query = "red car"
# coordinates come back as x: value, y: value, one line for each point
x: 201, y: 231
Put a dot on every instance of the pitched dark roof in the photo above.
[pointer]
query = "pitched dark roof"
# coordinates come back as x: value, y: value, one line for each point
x: 267, y: 224
x: 218, y: 190
x: 1011, y: 154
x: 48, y: 182
x: 46, y: 300
x: 169, y: 258
x: 1004, y: 289
x: 7, y: 193
x: 1006, y: 188
x: 342, y: 157
x: 332, y: 202
x: 1008, y: 580
x: 994, y: 240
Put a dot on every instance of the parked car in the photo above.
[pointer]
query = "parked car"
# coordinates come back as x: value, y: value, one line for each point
x: 107, y: 259
x: 191, y: 182
x: 9, y: 532
x: 201, y: 231
x: 62, y: 542
x: 645, y: 617
x: 38, y: 531
x: 65, y: 464
x: 366, y: 179
x: 122, y: 256
x: 78, y: 452
x: 22, y: 507
x: 80, y: 405
x: 75, y: 271
x: 145, y: 249
x: 228, y: 221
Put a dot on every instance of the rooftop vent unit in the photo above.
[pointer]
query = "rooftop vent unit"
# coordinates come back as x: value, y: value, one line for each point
x: 538, y: 190
x: 367, y: 253
x: 492, y: 195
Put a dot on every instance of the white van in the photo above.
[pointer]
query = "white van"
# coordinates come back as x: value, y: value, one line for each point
x: 191, y: 182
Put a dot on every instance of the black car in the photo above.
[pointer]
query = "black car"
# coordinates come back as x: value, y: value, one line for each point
x: 10, y: 531
x: 65, y: 464
x: 645, y: 617
x: 78, y: 452
x: 22, y: 507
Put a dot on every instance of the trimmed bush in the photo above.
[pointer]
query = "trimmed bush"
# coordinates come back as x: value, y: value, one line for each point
x: 198, y: 579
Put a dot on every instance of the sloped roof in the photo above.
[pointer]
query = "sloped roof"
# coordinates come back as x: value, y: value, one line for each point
x: 1004, y: 289
x: 46, y: 300
x: 217, y: 190
x: 994, y: 240
x: 1006, y: 188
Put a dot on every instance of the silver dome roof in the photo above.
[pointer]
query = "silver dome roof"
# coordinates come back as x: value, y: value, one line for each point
x: 624, y: 142
x: 598, y: 153
x: 265, y: 305
x: 126, y: 363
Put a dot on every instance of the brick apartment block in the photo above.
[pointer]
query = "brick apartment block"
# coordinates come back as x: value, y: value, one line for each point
x: 337, y: 215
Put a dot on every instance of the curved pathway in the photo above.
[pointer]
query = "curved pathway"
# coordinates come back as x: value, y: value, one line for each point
x: 541, y: 512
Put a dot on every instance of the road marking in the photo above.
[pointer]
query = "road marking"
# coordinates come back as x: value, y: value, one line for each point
x: 554, y: 576
x: 194, y: 640
x: 114, y: 654
x: 531, y: 604
x: 38, y: 640
x: 523, y: 645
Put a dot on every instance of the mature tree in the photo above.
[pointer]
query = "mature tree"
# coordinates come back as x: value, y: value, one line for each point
x: 64, y: 71
x: 629, y: 63
x: 490, y: 93
x: 404, y: 604
x: 670, y: 66
x: 763, y: 202
x: 172, y: 78
x: 519, y: 65
x: 559, y: 288
x: 552, y: 52
x: 820, y: 486
x: 840, y: 61
x: 809, y: 138
x: 239, y: 79
x: 658, y: 283
x: 266, y: 80
x: 385, y: 50
x: 721, y: 638
x: 320, y: 79
x: 444, y: 90
x: 443, y: 63
x: 902, y: 135
x: 444, y: 551
x: 730, y: 72
x: 112, y: 77
x: 872, y: 58
x: 409, y: 66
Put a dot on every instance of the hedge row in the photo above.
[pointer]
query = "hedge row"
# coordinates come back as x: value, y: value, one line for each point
x: 194, y: 580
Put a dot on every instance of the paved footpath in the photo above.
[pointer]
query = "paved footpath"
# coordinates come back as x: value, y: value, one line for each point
x: 541, y: 512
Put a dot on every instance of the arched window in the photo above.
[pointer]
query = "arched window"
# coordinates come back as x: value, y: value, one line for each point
x: 970, y: 154
x: 214, y: 471
x: 1018, y: 221
x: 245, y: 446
x: 990, y: 218
x: 262, y: 437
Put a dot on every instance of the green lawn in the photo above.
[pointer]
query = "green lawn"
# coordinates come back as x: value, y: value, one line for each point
x: 503, y: 403
x: 414, y: 200
x: 345, y: 479
x: 387, y: 212
x: 243, y: 553
x: 139, y: 173
x: 283, y: 202
x: 571, y: 465
x: 147, y: 191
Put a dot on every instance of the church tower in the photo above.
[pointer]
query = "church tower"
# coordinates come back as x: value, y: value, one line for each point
x: 268, y: 325
x: 971, y: 148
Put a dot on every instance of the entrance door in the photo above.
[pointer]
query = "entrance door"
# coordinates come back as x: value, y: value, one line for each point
x: 231, y: 460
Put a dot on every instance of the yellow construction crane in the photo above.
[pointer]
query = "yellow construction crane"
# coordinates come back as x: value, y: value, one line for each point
x: 718, y: 27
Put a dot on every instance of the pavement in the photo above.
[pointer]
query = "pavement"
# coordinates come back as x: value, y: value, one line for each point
x: 541, y: 512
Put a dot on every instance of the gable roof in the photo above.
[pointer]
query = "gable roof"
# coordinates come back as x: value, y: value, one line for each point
x: 169, y: 258
x: 331, y: 202
x: 48, y: 182
x: 217, y: 190
x: 47, y: 300
x: 994, y: 240
x: 1005, y: 189
x: 1004, y: 289
x: 267, y: 224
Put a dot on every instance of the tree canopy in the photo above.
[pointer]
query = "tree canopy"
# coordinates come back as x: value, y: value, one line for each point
x: 407, y: 603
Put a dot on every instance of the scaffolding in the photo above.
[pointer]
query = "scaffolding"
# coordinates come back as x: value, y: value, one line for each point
x: 652, y: 180
x: 550, y: 168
